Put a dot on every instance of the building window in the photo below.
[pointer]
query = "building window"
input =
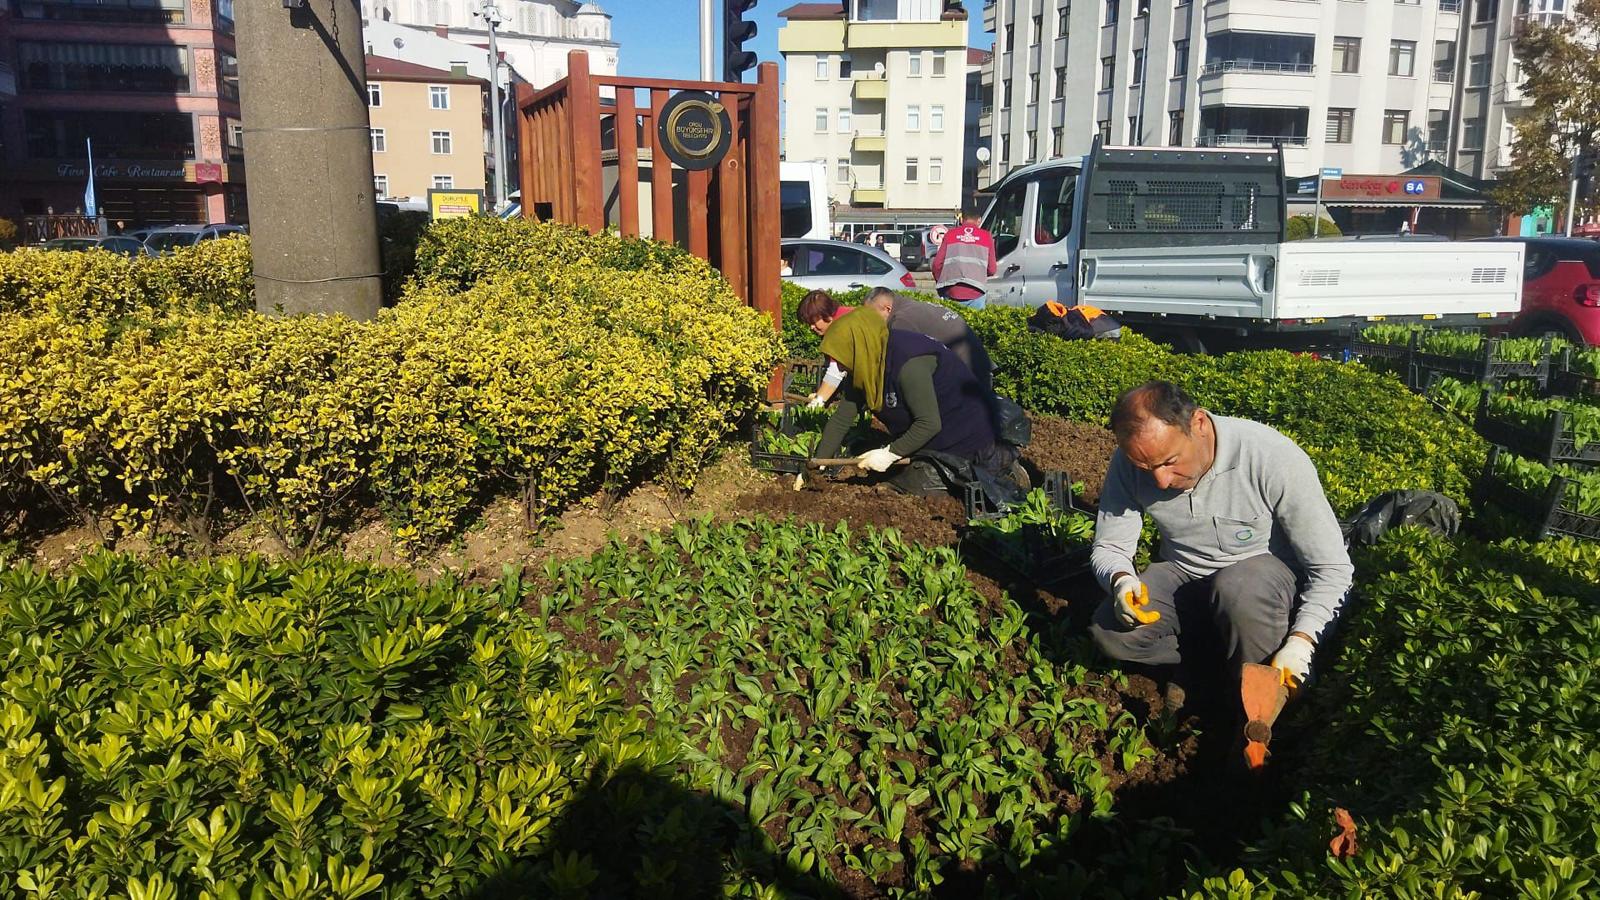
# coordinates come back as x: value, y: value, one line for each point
x: 911, y: 170
x: 380, y: 186
x: 1472, y: 134
x: 374, y: 95
x: 1038, y: 26
x: 1347, y: 55
x: 235, y: 138
x: 822, y: 68
x: 1341, y: 125
x: 822, y: 120
x: 1439, y: 130
x: 1108, y: 72
x: 914, y: 64
x: 913, y: 118
x: 844, y: 121
x: 936, y: 170
x: 1062, y: 15
x: 1103, y: 127
x: 444, y: 182
x: 1395, y: 122
x: 60, y: 134
x: 228, y: 75
x: 1444, y: 61
x: 1402, y: 58
x: 1175, y: 128
x: 1011, y: 38
x: 938, y: 64
x: 1478, y: 71
x: 936, y: 118
x: 1005, y: 95
x: 1138, y: 66
x: 1005, y: 149
x: 1180, y: 59
x: 148, y: 12
x: 844, y: 170
x: 1483, y: 11
x: 1057, y: 137
x: 1061, y: 81
x: 1133, y: 131
x: 1033, y: 88
x: 844, y: 66
x: 380, y: 140
x: 1111, y: 12
x: 438, y: 96
x: 1033, y: 146
x: 129, y: 68
x: 441, y: 143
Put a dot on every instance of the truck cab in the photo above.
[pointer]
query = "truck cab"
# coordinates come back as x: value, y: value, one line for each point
x: 1031, y: 220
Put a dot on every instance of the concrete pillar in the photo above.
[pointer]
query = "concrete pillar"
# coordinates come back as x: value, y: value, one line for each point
x: 313, y: 224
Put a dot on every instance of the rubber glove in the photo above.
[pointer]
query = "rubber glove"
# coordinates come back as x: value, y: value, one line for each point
x: 816, y: 402
x: 1132, y: 596
x: 878, y: 460
x: 1293, y: 659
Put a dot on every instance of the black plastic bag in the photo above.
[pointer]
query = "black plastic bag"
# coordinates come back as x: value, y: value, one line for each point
x: 1385, y: 512
x: 1011, y: 423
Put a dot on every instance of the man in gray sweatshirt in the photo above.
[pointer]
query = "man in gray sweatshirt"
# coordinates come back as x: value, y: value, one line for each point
x: 1250, y: 546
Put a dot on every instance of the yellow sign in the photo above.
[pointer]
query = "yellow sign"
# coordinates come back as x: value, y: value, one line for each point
x: 454, y: 204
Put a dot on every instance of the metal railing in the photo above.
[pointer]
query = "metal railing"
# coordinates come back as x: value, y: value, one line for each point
x: 1445, y: 75
x: 1450, y: 6
x: 1250, y: 65
x: 1250, y: 140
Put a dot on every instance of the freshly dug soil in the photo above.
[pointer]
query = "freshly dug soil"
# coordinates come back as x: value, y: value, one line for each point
x: 925, y: 520
x: 1082, y: 451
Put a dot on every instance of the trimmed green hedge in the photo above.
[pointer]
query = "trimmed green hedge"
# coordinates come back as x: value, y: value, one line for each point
x: 209, y: 276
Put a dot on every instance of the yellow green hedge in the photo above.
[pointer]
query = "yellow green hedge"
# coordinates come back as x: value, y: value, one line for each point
x: 553, y: 381
x: 212, y: 275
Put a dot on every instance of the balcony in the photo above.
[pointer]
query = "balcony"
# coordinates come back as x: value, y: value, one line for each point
x: 870, y: 87
x: 1450, y: 6
x: 869, y: 142
x: 1252, y: 126
x: 862, y: 194
x: 1219, y: 66
x: 1250, y: 140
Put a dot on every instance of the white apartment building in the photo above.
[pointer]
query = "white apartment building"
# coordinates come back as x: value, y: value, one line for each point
x: 877, y: 90
x: 978, y: 68
x: 534, y: 35
x: 1369, y: 86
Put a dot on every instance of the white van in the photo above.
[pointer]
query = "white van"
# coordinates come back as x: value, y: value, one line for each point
x: 803, y: 201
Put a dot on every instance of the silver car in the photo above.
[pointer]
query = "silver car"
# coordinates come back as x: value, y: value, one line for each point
x: 842, y: 266
x: 166, y: 240
x: 114, y: 243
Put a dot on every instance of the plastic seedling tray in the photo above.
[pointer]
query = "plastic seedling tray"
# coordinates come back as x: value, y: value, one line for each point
x: 771, y: 461
x: 802, y: 377
x: 1485, y: 368
x: 1546, y: 510
x: 1028, y: 554
x: 1550, y: 443
x: 1565, y: 382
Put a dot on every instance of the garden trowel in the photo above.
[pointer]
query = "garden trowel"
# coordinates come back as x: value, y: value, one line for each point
x: 1264, y: 690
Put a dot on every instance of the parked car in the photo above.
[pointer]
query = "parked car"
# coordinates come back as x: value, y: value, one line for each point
x: 913, y: 250
x: 115, y: 243
x: 1560, y: 288
x: 843, y: 266
x: 165, y: 240
x: 140, y: 234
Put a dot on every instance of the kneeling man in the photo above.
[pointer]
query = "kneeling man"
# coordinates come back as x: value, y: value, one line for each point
x: 1250, y: 547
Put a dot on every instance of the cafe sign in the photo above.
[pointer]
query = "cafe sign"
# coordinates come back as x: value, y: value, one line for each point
x: 695, y: 130
x: 134, y: 171
x: 1399, y: 189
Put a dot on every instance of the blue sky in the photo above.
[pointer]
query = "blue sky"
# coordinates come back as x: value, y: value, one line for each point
x: 661, y: 38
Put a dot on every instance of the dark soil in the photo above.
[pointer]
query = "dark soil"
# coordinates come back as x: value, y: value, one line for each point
x: 925, y: 520
x: 1082, y: 451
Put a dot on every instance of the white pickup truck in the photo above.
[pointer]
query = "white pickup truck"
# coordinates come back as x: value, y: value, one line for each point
x: 1190, y: 242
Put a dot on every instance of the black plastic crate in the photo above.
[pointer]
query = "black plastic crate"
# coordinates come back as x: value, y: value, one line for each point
x: 1565, y: 382
x: 1546, y: 511
x: 1370, y: 350
x: 1485, y: 368
x: 802, y: 377
x: 771, y: 461
x: 1027, y: 556
x: 1057, y: 487
x: 1550, y: 443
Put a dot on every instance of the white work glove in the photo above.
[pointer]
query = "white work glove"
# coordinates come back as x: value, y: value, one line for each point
x: 816, y: 402
x: 1293, y: 660
x: 878, y: 460
x: 1131, y: 594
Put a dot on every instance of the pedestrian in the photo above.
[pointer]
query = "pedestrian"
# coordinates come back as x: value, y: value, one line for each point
x: 819, y: 310
x: 1252, y: 552
x: 965, y: 262
x: 924, y: 396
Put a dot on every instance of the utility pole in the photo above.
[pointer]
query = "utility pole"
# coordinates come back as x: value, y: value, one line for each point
x: 491, y: 15
x: 313, y: 222
x: 708, y: 62
x: 1144, y: 68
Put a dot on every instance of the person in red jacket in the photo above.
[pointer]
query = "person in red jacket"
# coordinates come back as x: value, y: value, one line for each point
x: 964, y: 263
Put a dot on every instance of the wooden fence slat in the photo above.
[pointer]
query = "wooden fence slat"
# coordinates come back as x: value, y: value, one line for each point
x: 699, y: 208
x: 660, y: 174
x: 764, y: 206
x: 583, y: 122
x: 561, y: 137
x: 627, y: 162
x: 733, y: 245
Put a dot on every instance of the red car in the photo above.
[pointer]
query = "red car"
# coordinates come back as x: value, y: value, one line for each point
x: 1560, y: 289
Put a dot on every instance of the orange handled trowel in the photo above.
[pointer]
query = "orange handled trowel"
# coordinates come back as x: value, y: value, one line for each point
x: 1264, y: 690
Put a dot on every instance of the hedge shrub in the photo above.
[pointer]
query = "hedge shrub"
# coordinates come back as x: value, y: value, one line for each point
x: 459, y: 253
x: 211, y: 275
x: 573, y: 377
x: 322, y: 729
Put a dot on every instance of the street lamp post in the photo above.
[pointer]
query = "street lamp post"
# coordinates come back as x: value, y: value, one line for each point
x: 491, y: 16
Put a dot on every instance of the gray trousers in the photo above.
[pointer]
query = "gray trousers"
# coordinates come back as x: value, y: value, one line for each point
x: 1246, y: 605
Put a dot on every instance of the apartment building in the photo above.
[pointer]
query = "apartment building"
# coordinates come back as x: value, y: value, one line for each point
x: 427, y: 129
x: 534, y: 36
x: 877, y: 90
x: 1371, y: 86
x: 978, y: 66
x: 152, y: 84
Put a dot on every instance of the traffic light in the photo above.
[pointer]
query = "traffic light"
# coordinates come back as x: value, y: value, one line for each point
x: 736, y: 30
